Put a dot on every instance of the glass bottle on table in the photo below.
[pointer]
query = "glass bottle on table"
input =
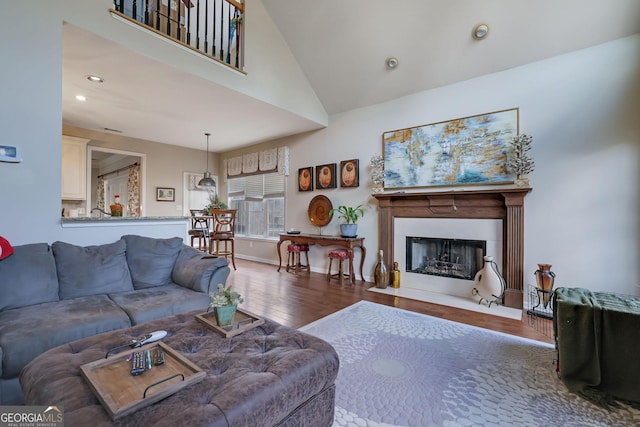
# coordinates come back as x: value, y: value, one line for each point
x: 395, y: 276
x: 381, y: 274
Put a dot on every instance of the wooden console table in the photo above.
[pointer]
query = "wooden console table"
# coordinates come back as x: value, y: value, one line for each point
x: 317, y: 239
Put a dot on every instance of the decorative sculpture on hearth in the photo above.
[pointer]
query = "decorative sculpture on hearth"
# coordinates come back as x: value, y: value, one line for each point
x: 489, y: 283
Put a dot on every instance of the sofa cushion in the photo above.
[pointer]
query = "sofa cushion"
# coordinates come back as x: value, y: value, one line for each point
x: 29, y: 331
x: 151, y: 260
x: 154, y: 303
x: 91, y: 270
x: 28, y: 277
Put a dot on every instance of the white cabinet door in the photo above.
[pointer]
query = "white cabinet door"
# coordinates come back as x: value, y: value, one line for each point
x: 74, y: 168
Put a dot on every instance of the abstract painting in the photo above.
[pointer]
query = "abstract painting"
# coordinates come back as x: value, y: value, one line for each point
x: 468, y: 150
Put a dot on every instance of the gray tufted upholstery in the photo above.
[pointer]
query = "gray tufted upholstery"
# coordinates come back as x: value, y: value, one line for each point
x: 270, y: 375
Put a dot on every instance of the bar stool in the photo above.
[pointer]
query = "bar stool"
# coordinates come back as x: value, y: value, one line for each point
x: 294, y: 259
x: 342, y: 255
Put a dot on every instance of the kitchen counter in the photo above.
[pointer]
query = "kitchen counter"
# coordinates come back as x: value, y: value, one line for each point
x: 101, y: 221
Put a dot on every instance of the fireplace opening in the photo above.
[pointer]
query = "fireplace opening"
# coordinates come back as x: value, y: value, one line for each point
x: 455, y: 258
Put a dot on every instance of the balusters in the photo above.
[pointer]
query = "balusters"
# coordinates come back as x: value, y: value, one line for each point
x: 216, y: 37
x: 238, y: 22
x: 157, y: 15
x: 146, y: 12
x: 197, y: 24
x: 222, y: 30
x: 178, y: 20
x: 188, y: 19
x: 206, y: 25
x: 213, y: 37
x: 168, y: 17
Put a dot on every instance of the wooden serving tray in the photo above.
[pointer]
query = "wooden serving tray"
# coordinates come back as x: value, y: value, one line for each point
x: 122, y: 393
x: 242, y: 322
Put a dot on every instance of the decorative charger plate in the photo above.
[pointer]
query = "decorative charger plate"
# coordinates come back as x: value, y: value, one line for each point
x: 319, y: 208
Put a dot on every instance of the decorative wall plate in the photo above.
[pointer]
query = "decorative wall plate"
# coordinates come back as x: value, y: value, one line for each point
x: 319, y: 208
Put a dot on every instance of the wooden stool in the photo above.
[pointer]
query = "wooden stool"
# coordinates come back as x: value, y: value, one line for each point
x: 294, y: 258
x: 342, y: 255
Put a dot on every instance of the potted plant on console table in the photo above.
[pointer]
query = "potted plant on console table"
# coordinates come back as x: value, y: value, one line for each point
x: 350, y: 215
x: 225, y: 302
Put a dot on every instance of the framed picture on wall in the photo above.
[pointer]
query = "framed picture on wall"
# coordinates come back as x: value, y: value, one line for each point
x: 468, y: 150
x: 326, y: 176
x: 305, y: 179
x: 165, y: 194
x: 349, y: 173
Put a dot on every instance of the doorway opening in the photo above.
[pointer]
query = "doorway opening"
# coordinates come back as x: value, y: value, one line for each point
x: 115, y: 172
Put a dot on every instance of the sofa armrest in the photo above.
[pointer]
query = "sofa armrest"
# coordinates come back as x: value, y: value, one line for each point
x: 198, y: 271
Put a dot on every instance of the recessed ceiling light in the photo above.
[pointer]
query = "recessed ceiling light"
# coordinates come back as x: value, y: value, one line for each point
x: 95, y: 79
x: 81, y: 98
x: 392, y: 62
x: 480, y: 31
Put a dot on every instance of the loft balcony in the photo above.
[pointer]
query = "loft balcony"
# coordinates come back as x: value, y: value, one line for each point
x: 210, y: 27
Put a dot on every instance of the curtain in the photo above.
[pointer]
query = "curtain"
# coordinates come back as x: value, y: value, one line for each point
x: 133, y: 190
x: 100, y: 193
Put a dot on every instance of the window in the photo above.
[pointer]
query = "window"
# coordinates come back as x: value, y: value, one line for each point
x: 259, y: 200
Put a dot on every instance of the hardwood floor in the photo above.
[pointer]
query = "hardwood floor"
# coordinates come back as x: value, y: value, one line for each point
x: 298, y: 300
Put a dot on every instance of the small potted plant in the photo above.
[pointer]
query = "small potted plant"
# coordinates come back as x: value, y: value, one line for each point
x: 214, y: 203
x: 350, y: 215
x: 225, y: 302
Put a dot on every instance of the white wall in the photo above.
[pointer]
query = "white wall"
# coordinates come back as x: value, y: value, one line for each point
x: 31, y: 117
x: 582, y: 110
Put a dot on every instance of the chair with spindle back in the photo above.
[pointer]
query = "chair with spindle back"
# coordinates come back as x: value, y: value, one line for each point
x: 224, y: 223
x: 200, y: 228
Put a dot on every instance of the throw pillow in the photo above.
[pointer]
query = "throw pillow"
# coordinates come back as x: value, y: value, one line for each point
x: 5, y: 248
x: 91, y: 270
x: 28, y: 277
x: 151, y: 260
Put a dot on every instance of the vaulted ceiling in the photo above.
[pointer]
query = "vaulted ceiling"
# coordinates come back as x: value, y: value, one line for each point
x: 341, y: 46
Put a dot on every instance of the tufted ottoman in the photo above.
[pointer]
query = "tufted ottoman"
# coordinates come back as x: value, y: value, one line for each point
x: 269, y: 375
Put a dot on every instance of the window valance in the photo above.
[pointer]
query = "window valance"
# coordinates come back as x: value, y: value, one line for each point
x: 265, y: 161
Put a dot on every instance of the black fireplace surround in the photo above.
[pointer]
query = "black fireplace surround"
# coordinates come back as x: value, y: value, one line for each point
x: 455, y: 258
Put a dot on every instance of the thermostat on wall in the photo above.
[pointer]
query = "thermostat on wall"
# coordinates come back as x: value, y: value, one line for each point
x: 9, y: 153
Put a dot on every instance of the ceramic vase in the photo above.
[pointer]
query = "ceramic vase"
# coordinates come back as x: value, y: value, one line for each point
x: 489, y: 283
x: 544, y: 279
x: 224, y: 315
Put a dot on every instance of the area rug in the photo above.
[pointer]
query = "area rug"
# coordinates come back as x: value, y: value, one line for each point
x: 399, y: 368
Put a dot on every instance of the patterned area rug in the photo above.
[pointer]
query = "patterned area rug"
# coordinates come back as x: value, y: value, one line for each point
x: 399, y: 368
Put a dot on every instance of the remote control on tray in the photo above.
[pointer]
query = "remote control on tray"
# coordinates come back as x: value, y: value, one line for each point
x: 138, y: 363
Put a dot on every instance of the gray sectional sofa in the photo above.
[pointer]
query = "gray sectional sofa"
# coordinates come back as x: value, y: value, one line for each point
x: 54, y: 294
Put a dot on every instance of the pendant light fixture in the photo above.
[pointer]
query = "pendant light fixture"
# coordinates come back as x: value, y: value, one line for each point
x: 207, y: 181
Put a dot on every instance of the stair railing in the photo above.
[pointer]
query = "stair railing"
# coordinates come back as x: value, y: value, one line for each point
x: 210, y: 27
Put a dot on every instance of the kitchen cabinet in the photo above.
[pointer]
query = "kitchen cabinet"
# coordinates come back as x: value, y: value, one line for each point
x: 74, y: 168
